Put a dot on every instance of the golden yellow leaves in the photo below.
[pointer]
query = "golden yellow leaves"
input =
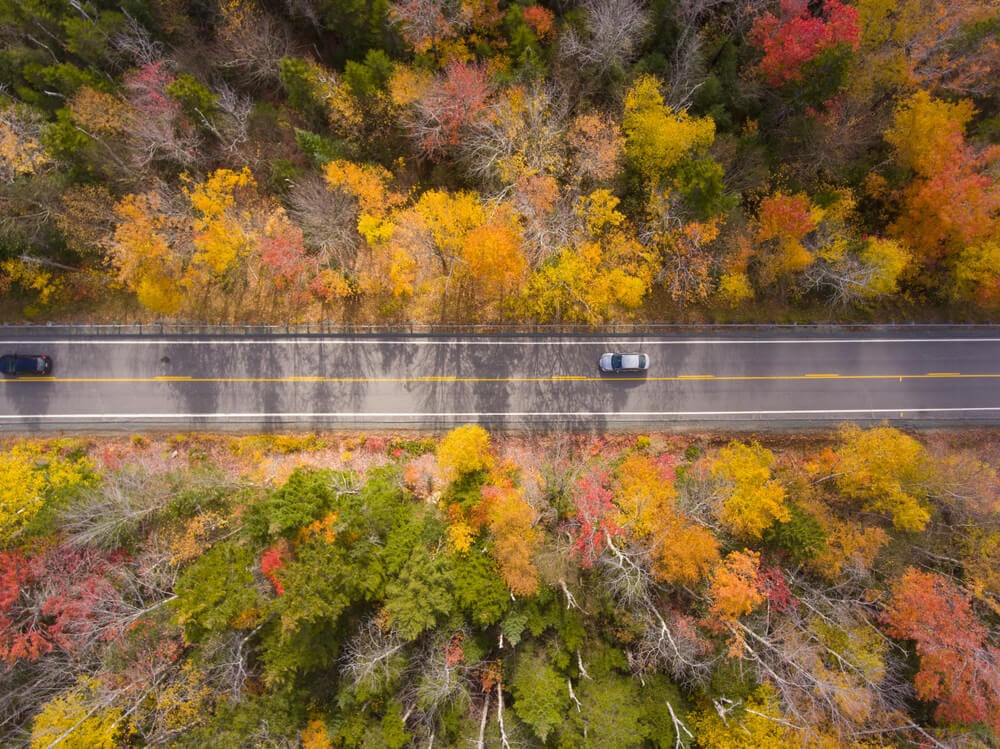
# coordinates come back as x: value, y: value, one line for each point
x: 753, y: 499
x: 682, y: 552
x: 100, y: 113
x: 888, y: 470
x: 21, y: 152
x: 926, y: 132
x: 657, y: 139
x: 79, y: 719
x: 221, y: 238
x: 464, y: 450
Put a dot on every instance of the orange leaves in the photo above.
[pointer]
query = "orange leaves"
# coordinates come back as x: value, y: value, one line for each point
x: 958, y: 667
x: 686, y: 551
x: 541, y: 20
x: 784, y: 221
x: 682, y: 552
x: 515, y: 539
x: 597, y: 145
x: 494, y: 259
x: 785, y: 217
x: 736, y: 589
x: 953, y: 203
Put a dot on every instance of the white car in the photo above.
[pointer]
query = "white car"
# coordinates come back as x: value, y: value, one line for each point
x: 614, y: 363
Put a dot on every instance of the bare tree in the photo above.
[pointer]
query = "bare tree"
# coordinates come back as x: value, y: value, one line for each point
x: 328, y: 220
x: 135, y: 44
x: 251, y: 43
x: 372, y: 657
x: 520, y: 133
x: 667, y: 642
x: 615, y: 31
x: 687, y: 62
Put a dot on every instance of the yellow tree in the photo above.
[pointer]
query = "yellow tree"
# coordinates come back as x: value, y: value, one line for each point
x: 590, y: 282
x: 682, y: 552
x: 21, y: 152
x: 30, y: 474
x: 657, y: 139
x: 752, y: 500
x: 78, y: 719
x: 150, y: 249
x: 223, y: 206
x: 753, y: 723
x: 464, y: 450
x: 888, y: 471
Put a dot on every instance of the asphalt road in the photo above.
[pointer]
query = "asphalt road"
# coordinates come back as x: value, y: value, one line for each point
x: 771, y: 380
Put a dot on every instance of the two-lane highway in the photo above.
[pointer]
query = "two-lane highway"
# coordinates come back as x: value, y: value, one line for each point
x: 145, y: 382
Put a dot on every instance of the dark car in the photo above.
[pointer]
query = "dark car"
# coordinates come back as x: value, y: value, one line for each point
x: 13, y: 365
x: 614, y: 363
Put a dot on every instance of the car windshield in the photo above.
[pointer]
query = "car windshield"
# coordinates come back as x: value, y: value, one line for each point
x: 616, y: 361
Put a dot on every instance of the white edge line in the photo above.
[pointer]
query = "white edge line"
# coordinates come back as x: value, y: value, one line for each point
x: 474, y: 415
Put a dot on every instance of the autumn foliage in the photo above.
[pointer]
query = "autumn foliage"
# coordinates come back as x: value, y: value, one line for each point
x: 959, y: 668
x: 750, y: 589
x: 796, y: 36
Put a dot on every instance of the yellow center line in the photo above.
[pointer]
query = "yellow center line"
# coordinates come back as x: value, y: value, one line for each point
x: 696, y: 377
x: 944, y: 374
x: 570, y: 377
x: 822, y: 376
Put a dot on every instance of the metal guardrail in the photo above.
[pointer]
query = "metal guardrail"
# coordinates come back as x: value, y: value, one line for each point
x: 189, y: 329
x: 307, y: 329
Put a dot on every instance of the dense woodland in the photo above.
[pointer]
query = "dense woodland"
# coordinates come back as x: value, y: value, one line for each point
x: 313, y: 590
x: 483, y: 161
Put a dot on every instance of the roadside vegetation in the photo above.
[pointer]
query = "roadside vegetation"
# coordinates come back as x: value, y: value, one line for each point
x: 326, y: 590
x: 393, y: 161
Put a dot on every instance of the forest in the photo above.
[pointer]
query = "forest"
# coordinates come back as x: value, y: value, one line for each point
x: 488, y: 590
x: 499, y: 162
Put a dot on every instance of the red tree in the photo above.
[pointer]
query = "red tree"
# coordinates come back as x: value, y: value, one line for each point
x: 595, y: 517
x: 59, y: 598
x: 451, y: 104
x: 795, y: 37
x: 958, y: 668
